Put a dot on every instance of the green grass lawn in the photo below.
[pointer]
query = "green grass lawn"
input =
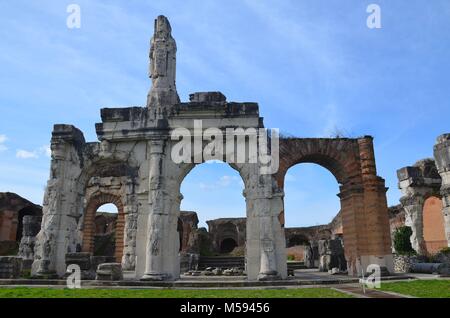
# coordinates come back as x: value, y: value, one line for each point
x: 420, y: 288
x: 35, y: 292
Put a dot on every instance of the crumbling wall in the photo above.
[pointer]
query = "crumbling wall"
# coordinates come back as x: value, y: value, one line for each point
x: 12, y: 209
x: 418, y: 183
x: 224, y: 229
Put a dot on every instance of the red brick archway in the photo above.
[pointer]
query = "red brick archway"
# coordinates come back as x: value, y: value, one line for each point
x: 89, y: 223
x: 433, y: 225
x: 362, y: 193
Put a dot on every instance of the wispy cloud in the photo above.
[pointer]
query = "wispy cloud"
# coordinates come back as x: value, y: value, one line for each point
x: 35, y: 154
x: 3, y: 138
x: 45, y: 149
x: 25, y: 154
x: 223, y: 182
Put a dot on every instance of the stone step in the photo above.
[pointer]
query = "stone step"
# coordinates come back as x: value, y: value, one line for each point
x: 222, y: 262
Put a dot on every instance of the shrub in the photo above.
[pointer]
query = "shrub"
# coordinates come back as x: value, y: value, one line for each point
x: 445, y: 250
x: 402, y: 243
x: 291, y: 257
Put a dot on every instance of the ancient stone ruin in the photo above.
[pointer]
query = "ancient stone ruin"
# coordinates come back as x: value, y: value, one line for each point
x: 17, y: 216
x: 425, y: 204
x: 131, y: 166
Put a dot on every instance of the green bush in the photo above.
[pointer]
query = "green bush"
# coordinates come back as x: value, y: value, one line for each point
x: 445, y: 250
x: 402, y: 243
x: 291, y: 257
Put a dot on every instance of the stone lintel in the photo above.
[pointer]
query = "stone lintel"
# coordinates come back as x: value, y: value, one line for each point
x: 406, y: 173
x: 67, y: 133
x: 223, y: 108
x: 200, y: 97
x: 123, y: 114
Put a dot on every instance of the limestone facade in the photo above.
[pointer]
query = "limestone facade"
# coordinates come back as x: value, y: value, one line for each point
x: 132, y: 167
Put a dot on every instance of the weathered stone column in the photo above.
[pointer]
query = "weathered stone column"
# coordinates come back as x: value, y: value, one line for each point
x: 413, y: 205
x: 268, y: 267
x: 442, y: 158
x: 265, y: 236
x: 412, y: 185
x: 131, y: 216
x: 31, y: 227
x: 158, y: 216
x: 58, y: 234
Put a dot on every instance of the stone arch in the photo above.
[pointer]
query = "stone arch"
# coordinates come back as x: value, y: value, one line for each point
x: 232, y: 230
x: 264, y: 242
x: 89, y: 223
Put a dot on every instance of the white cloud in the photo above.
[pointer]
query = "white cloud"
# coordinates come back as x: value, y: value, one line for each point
x: 46, y: 150
x: 35, y: 154
x: 3, y: 138
x: 223, y: 182
x: 24, y: 154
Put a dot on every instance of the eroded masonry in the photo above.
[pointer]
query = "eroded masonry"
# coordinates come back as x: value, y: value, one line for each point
x: 131, y: 167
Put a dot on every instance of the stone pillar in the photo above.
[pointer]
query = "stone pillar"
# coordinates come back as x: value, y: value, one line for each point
x: 415, y: 188
x: 442, y: 158
x: 353, y: 225
x: 265, y: 243
x: 158, y: 216
x: 131, y: 213
x: 376, y: 245
x: 413, y: 206
x: 31, y: 227
x: 268, y: 267
x: 58, y: 234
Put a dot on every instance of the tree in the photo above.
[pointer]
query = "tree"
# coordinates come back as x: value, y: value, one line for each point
x: 402, y: 242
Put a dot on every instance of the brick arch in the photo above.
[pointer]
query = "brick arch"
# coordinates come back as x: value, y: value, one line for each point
x: 89, y: 223
x: 340, y: 156
x: 433, y: 225
x: 362, y: 194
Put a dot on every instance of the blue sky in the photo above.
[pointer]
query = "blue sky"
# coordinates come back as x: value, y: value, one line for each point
x: 313, y: 66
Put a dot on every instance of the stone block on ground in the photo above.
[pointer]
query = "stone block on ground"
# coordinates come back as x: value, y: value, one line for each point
x: 10, y: 267
x: 426, y: 268
x: 109, y: 271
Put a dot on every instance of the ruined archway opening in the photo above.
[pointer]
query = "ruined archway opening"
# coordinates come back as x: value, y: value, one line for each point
x: 213, y: 212
x: 227, y: 245
x: 433, y: 225
x: 20, y: 215
x: 105, y: 230
x: 313, y: 225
